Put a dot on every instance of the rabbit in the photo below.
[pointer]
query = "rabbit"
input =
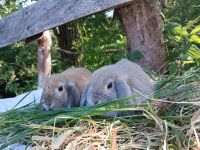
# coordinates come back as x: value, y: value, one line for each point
x: 120, y: 80
x: 63, y: 90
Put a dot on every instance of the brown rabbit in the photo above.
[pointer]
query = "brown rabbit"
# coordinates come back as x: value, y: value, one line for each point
x: 65, y: 89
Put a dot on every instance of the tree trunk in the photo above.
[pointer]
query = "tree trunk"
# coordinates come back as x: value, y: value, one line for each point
x: 66, y: 34
x: 142, y: 23
x: 44, y: 58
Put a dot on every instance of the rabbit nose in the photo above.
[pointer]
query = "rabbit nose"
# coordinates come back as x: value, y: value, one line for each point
x: 97, y: 95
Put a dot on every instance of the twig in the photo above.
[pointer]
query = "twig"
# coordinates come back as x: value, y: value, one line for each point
x: 79, y: 53
x: 114, y: 140
x: 68, y: 52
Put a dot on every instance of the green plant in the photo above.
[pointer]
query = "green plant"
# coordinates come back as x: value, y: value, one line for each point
x: 18, y: 69
x: 183, y: 44
x: 102, y: 41
x: 182, y: 12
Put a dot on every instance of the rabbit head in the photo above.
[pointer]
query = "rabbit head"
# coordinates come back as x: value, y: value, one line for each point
x: 60, y: 92
x: 116, y: 81
x: 104, y: 86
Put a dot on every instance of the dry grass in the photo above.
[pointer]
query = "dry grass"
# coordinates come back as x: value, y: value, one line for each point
x: 169, y: 120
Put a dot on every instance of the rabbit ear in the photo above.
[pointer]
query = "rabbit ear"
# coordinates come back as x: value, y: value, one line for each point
x: 122, y: 89
x: 73, y: 95
x: 84, y: 96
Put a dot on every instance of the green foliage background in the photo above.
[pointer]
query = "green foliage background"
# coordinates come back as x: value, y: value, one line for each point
x: 182, y: 35
x: 100, y: 34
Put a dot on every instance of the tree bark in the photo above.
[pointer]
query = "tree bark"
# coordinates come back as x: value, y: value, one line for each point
x: 66, y: 34
x: 142, y: 23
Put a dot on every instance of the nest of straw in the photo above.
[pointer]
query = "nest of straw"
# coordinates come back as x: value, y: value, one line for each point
x: 169, y: 120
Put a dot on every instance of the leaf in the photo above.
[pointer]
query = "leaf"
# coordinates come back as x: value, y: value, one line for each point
x: 194, y: 52
x: 191, y: 23
x: 188, y: 62
x: 178, y: 38
x: 180, y: 31
x: 136, y: 55
x: 195, y: 30
x: 195, y: 39
x: 173, y: 68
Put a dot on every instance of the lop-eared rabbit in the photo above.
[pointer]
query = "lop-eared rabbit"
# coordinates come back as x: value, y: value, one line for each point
x: 63, y: 90
x: 119, y: 80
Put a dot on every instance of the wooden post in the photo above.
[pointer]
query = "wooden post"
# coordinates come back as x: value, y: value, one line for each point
x: 142, y: 23
x: 44, y: 58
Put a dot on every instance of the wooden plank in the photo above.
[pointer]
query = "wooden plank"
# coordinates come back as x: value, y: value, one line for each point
x: 46, y: 14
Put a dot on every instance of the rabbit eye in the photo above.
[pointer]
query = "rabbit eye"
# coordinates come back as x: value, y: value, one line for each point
x: 60, y: 88
x: 109, y: 85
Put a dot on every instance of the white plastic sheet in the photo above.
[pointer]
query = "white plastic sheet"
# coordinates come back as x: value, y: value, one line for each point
x: 17, y: 146
x: 20, y: 100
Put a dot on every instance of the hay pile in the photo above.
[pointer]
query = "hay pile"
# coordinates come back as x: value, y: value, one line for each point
x: 169, y: 120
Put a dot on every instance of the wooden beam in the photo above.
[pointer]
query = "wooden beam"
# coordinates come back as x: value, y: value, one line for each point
x: 46, y: 14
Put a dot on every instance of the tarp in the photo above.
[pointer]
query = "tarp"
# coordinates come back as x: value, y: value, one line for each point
x: 20, y: 100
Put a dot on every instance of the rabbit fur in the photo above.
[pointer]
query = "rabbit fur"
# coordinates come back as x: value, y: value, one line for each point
x: 119, y: 80
x: 65, y: 89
